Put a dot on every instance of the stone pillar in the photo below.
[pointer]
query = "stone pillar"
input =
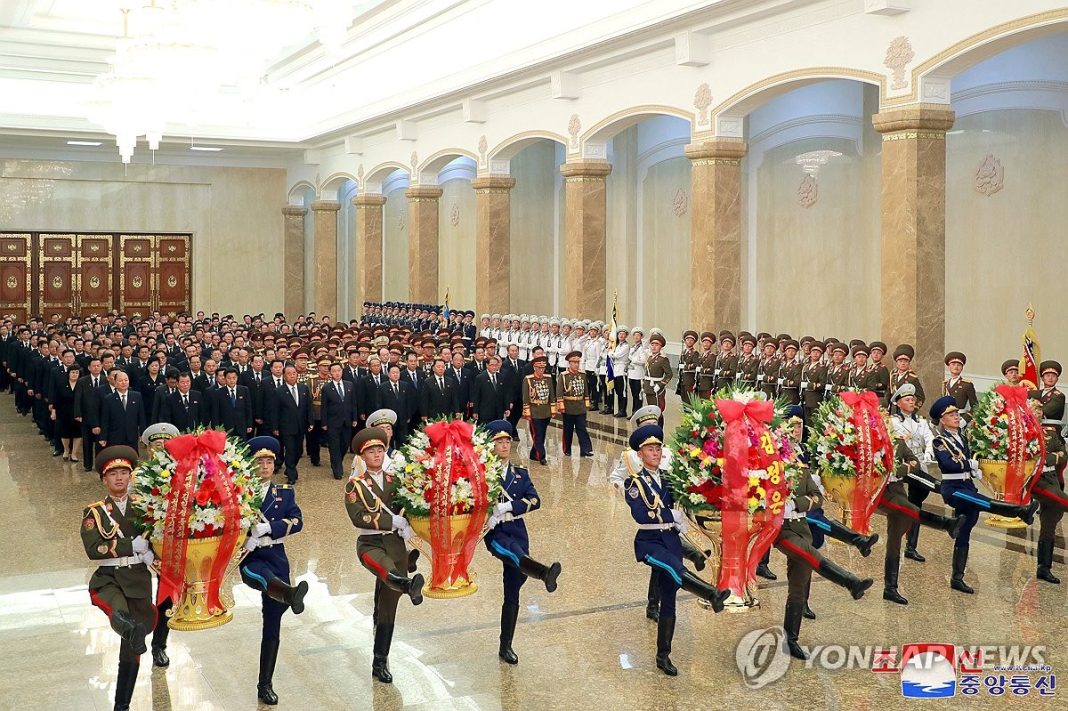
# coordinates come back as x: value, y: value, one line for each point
x: 369, y: 247
x: 913, y: 224
x: 293, y: 261
x: 493, y: 230
x: 423, y: 243
x: 716, y: 234
x: 584, y: 238
x: 325, y: 215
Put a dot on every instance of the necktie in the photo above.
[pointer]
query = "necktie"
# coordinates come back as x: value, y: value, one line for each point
x: 341, y: 390
x: 96, y: 383
x: 257, y: 378
x: 293, y: 392
x: 396, y: 390
x: 441, y: 384
x: 185, y: 401
x: 123, y: 399
x: 493, y: 379
x: 233, y: 398
x: 277, y: 383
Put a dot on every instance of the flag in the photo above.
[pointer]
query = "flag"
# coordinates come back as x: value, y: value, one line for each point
x: 445, y: 311
x: 1031, y: 355
x: 610, y: 372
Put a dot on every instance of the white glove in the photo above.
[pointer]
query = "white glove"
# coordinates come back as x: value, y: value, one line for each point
x: 148, y: 557
x: 977, y: 473
x: 140, y: 545
x: 399, y: 523
x: 680, y: 520
x: 261, y: 529
x: 492, y: 522
x: 406, y: 532
x: 502, y: 508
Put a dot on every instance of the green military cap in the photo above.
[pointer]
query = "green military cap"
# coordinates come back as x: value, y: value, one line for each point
x: 880, y: 345
x: 370, y: 437
x: 1050, y: 366
x: 117, y: 456
x: 708, y: 336
x: 749, y: 338
x: 860, y: 348
x: 658, y: 337
x: 955, y: 356
x: 1011, y: 364
x: 689, y: 334
x: 904, y: 351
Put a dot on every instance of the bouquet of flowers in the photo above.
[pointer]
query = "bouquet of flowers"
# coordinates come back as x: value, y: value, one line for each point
x: 1006, y: 436
x: 851, y: 448
x: 415, y: 464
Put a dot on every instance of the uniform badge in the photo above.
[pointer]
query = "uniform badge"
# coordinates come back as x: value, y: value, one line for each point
x: 352, y: 497
x: 108, y: 507
x: 89, y: 525
x: 652, y: 514
x: 102, y: 548
x: 632, y: 492
x: 367, y: 518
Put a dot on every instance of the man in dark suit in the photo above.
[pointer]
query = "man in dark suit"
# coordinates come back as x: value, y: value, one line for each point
x: 184, y: 408
x: 396, y: 394
x: 339, y: 416
x: 199, y: 377
x: 292, y: 419
x: 368, y: 392
x: 462, y: 378
x: 253, y: 377
x: 163, y: 392
x: 513, y: 370
x: 231, y: 407
x: 269, y: 390
x: 489, y: 393
x: 87, y: 396
x: 122, y: 415
x: 439, y: 397
x: 415, y: 377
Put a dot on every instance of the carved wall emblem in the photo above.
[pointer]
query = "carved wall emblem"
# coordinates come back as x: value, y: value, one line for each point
x: 94, y: 282
x: 138, y: 282
x: 401, y: 224
x: 483, y: 146
x: 57, y: 282
x: 172, y: 281
x: 808, y: 191
x: 172, y: 248
x: 898, y: 56
x: 989, y: 176
x: 454, y: 215
x: 573, y: 128
x: 57, y: 247
x: 12, y: 282
x: 12, y: 247
x: 680, y: 203
x: 702, y: 99
x: 359, y: 174
x: 415, y: 166
x: 94, y: 247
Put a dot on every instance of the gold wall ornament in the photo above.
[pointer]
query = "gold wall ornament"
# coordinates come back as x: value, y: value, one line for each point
x: 898, y: 56
x: 172, y: 281
x: 137, y: 281
x: 808, y: 192
x: 12, y: 282
x: 989, y: 176
x: 702, y: 99
x: 57, y: 282
x: 12, y: 247
x: 94, y: 282
x: 172, y: 248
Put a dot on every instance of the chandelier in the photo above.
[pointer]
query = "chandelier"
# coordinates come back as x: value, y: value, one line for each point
x: 176, y: 55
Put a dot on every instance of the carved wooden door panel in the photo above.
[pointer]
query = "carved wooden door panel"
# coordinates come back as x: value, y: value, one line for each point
x: 56, y: 258
x: 137, y: 271
x: 16, y: 278
x: 93, y: 274
x: 172, y: 275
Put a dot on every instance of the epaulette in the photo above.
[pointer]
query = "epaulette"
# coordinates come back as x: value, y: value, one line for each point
x: 965, y: 380
x: 283, y: 486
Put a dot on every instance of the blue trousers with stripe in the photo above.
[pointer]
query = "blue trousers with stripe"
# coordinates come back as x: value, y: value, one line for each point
x: 662, y: 551
x: 255, y: 574
x: 965, y: 499
x: 509, y: 549
x: 818, y: 525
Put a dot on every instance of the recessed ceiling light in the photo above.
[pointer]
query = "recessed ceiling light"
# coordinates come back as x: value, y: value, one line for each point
x: 85, y: 143
x: 211, y: 149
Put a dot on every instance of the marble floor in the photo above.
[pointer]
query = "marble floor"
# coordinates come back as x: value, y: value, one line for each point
x: 586, y: 646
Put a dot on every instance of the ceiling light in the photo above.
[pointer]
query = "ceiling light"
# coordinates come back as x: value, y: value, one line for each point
x: 85, y: 143
x: 210, y: 149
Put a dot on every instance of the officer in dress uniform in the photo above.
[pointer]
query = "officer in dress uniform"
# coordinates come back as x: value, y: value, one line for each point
x: 657, y: 542
x: 768, y: 371
x: 903, y: 373
x: 657, y: 373
x: 687, y: 366
x: 122, y: 586
x: 539, y: 404
x: 266, y: 567
x: 706, y: 366
x: 748, y: 362
x: 1049, y: 489
x: 962, y: 389
x: 507, y: 539
x: 912, y: 451
x: 837, y: 370
x: 370, y: 500
x: 954, y: 459
x: 789, y: 378
x: 813, y: 381
x: 726, y: 361
x: 877, y: 379
x: 572, y: 403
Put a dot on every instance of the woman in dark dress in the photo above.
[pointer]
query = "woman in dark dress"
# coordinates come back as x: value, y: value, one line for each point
x: 148, y: 385
x: 70, y: 431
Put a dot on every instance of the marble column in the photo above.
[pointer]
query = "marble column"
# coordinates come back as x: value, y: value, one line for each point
x: 325, y: 216
x: 913, y: 224
x: 585, y: 269
x: 369, y: 247
x: 423, y: 244
x: 716, y: 233
x: 493, y: 231
x: 293, y: 260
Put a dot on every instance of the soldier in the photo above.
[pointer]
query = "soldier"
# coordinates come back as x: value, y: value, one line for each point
x: 266, y: 567
x: 748, y: 362
x: 539, y: 403
x: 1010, y: 370
x: 838, y: 370
x: 636, y: 361
x: 658, y: 373
x: 958, y: 470
x: 768, y: 371
x: 122, y: 586
x: 789, y: 378
x: 961, y: 389
x: 1049, y: 489
x: 591, y: 358
x: 620, y: 359
x: 572, y: 403
x: 1052, y: 399
x: 903, y: 373
x: 657, y: 542
x: 726, y: 361
x: 506, y: 536
x: 687, y: 367
x: 370, y: 502
x: 706, y: 366
x: 859, y: 370
x: 878, y: 378
x: 813, y: 381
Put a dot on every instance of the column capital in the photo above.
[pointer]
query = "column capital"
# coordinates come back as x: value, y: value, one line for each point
x: 417, y: 193
x: 493, y: 183
x: 326, y: 205
x: 721, y: 150
x: 925, y: 120
x: 579, y: 170
x: 294, y: 211
x: 369, y: 200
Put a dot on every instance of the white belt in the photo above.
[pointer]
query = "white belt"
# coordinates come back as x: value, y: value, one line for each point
x: 123, y: 562
x: 1051, y: 422
x: 655, y: 380
x: 795, y: 516
x: 957, y: 477
x: 512, y: 517
x: 1049, y: 469
x: 655, y: 526
x: 371, y: 532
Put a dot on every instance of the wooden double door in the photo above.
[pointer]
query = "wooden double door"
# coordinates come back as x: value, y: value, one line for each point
x: 46, y: 273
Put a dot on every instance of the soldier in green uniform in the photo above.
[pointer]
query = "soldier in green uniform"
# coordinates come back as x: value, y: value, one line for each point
x: 878, y: 378
x: 748, y: 362
x: 122, y: 585
x: 768, y: 371
x: 573, y: 403
x: 688, y: 366
x: 1049, y: 490
x: 726, y: 362
x: 383, y: 531
x: 838, y: 370
x: 789, y: 379
x: 959, y: 388
x: 903, y: 373
x: 859, y: 369
x: 539, y: 403
x: 657, y: 373
x: 706, y: 366
x: 813, y: 381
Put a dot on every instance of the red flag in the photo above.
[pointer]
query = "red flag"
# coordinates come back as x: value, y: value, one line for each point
x: 1029, y: 375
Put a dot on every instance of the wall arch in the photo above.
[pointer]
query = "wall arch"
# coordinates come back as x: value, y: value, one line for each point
x: 330, y: 188
x: 372, y: 181
x: 297, y: 193
x: 512, y: 146
x: 608, y: 127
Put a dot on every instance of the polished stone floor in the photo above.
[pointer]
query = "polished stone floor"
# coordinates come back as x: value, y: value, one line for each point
x: 586, y: 646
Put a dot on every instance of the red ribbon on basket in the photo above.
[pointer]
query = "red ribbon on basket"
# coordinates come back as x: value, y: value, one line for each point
x: 1023, y: 425
x: 454, y: 458
x: 873, y: 444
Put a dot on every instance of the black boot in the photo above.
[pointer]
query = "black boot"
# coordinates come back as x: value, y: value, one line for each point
x: 791, y: 623
x: 763, y: 570
x: 124, y: 684
x: 845, y: 534
x: 287, y: 594
x: 891, y: 567
x: 1045, y: 562
x: 159, y: 638
x: 840, y: 576
x: 539, y: 571
x: 960, y: 563
x: 509, y: 615
x: 413, y: 558
x: 665, y: 631
x: 652, y: 606
x: 268, y: 657
x: 1024, y: 513
x: 806, y: 611
x: 130, y: 630
x: 380, y: 662
x: 949, y: 524
x: 912, y: 538
x: 693, y: 584
x: 690, y: 553
x: 412, y: 587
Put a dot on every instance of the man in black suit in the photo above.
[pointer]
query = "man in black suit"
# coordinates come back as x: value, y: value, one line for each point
x: 369, y: 385
x: 122, y: 415
x: 198, y: 376
x: 269, y: 390
x: 396, y: 394
x: 231, y: 407
x: 339, y: 416
x: 462, y: 379
x: 255, y: 377
x: 163, y: 392
x: 439, y: 397
x: 184, y: 408
x: 292, y: 419
x: 512, y: 370
x: 87, y: 396
x: 415, y: 377
x: 489, y: 393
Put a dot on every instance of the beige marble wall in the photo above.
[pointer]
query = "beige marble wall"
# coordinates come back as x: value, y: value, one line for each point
x: 325, y: 213
x: 395, y: 247
x: 666, y: 281
x: 492, y: 235
x: 423, y: 244
x: 456, y: 243
x: 532, y: 245
x: 232, y: 213
x: 621, y: 239
x: 368, y: 248
x: 293, y: 259
x: 584, y: 238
